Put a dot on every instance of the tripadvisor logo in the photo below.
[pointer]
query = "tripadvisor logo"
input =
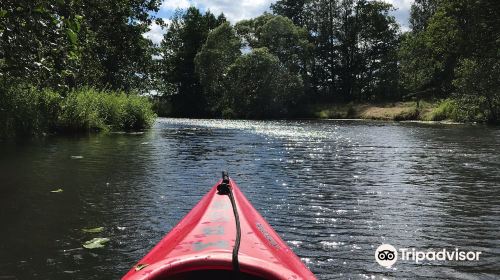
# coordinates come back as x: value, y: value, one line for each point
x: 386, y: 255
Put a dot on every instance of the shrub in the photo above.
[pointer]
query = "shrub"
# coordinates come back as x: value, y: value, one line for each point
x: 446, y: 110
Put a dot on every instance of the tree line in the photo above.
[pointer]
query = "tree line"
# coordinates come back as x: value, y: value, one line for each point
x: 303, y: 52
x: 334, y: 51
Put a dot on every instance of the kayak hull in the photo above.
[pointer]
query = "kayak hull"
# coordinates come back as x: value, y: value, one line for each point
x: 203, y: 241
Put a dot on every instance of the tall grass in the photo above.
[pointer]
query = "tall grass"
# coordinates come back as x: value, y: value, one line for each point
x: 25, y: 110
x: 92, y: 110
x: 446, y: 110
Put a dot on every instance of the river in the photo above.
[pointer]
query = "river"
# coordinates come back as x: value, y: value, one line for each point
x: 334, y: 190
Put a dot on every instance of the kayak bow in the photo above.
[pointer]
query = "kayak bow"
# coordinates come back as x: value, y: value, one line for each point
x: 204, y: 245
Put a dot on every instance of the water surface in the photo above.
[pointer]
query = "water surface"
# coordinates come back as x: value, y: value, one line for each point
x: 334, y: 190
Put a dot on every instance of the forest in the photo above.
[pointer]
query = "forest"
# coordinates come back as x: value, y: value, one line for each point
x: 79, y: 65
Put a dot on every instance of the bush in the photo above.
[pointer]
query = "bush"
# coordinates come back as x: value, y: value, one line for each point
x: 446, y: 110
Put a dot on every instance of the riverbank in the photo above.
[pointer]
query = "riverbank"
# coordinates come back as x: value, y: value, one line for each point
x: 444, y: 110
x: 28, y: 111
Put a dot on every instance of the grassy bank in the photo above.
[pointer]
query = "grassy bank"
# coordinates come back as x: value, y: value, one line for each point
x: 444, y: 110
x: 25, y: 111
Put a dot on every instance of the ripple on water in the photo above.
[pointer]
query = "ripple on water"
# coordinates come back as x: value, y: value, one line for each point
x: 334, y: 190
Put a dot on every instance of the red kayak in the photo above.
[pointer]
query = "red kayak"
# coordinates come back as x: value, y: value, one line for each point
x: 223, y: 237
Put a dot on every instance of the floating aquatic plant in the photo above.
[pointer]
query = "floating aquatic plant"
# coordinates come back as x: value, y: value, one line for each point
x: 93, y: 230
x: 96, y: 243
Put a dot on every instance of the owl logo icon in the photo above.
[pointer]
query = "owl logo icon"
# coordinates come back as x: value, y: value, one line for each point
x: 386, y: 255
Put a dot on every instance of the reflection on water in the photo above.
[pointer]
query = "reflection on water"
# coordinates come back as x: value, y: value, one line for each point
x: 334, y: 190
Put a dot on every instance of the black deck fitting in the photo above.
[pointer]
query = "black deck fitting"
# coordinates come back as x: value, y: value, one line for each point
x: 223, y: 187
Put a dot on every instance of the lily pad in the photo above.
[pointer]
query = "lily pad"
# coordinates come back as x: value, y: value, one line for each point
x: 93, y: 230
x: 95, y: 243
x: 57, y: 191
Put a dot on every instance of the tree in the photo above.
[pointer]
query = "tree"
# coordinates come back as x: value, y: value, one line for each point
x: 67, y: 44
x: 428, y: 58
x: 420, y: 13
x: 321, y: 21
x: 220, y: 50
x: 377, y: 50
x: 281, y: 37
x: 264, y: 82
x: 366, y: 39
x: 417, y: 68
x: 477, y: 75
x: 292, y: 9
x: 259, y: 86
x: 114, y: 54
x: 453, y: 51
x: 35, y: 42
x: 432, y: 51
x: 186, y: 34
x: 285, y: 40
x: 478, y: 89
x: 355, y: 46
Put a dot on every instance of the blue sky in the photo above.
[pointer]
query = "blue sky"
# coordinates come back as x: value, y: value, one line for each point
x: 236, y: 10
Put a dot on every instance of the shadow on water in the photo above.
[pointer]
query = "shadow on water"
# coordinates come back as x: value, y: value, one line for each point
x: 334, y: 190
x: 98, y: 176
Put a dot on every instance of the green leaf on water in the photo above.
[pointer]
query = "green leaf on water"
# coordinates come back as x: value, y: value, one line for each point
x: 95, y: 243
x: 93, y: 230
x: 140, y: 266
x: 57, y: 191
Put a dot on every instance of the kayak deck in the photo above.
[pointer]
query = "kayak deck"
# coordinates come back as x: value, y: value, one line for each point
x: 202, y: 244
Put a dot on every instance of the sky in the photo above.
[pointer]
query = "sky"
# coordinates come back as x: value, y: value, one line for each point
x: 236, y: 10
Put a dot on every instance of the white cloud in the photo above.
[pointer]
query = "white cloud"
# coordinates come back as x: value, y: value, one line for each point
x: 156, y: 32
x: 400, y: 4
x: 402, y: 12
x: 175, y: 4
x: 236, y: 10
